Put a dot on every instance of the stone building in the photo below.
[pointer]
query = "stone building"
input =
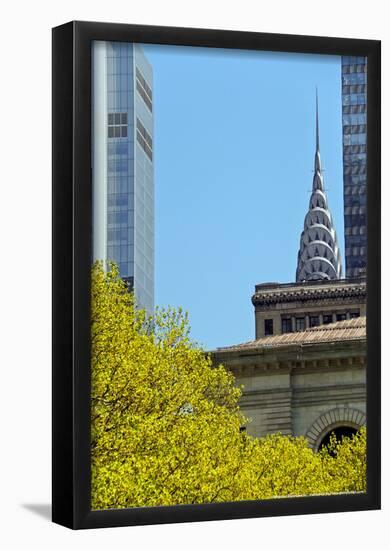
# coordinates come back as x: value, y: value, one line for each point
x: 305, y: 372
x: 293, y: 307
x: 306, y: 383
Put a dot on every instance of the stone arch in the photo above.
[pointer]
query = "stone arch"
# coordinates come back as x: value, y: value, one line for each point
x: 335, y: 418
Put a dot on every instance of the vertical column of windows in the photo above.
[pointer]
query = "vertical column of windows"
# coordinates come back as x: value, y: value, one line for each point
x: 119, y: 164
x: 144, y: 183
x: 354, y: 160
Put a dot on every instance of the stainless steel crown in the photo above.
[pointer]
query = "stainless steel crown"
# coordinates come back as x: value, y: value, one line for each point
x: 319, y: 254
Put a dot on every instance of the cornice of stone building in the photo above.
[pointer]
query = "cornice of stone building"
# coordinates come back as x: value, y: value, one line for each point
x: 274, y: 293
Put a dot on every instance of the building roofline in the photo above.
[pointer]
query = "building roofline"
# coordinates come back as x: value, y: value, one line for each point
x: 306, y: 284
x: 271, y: 293
x: 344, y: 333
x: 240, y: 350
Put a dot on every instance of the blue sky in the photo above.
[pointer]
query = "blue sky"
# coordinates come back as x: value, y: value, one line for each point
x: 234, y: 144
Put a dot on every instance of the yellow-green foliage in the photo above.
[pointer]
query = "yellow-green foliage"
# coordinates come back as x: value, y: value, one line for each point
x: 166, y: 424
x: 345, y: 463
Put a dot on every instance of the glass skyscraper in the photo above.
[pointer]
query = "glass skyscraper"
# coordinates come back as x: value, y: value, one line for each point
x: 354, y: 105
x: 122, y: 164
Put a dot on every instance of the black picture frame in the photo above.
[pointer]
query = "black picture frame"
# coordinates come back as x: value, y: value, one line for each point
x: 72, y: 229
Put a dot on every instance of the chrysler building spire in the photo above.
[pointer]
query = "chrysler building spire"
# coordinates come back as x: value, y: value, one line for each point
x: 317, y: 159
x: 319, y: 253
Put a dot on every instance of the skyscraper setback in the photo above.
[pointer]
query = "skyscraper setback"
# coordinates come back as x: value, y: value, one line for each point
x: 354, y: 105
x: 122, y: 164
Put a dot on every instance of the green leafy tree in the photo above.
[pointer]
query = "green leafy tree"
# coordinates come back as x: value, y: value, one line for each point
x: 284, y: 466
x: 166, y: 423
x: 345, y: 462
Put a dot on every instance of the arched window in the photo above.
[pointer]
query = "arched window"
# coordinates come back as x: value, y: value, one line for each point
x: 340, y: 432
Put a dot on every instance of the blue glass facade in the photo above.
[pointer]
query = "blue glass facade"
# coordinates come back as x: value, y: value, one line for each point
x: 122, y: 166
x: 354, y: 107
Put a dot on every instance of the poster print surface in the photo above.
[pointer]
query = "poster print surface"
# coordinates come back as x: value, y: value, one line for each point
x: 228, y: 276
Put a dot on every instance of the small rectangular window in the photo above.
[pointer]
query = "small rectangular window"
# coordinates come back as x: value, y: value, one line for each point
x: 300, y: 323
x: 286, y: 325
x: 341, y: 316
x: 314, y: 321
x: 327, y: 319
x: 268, y: 327
x: 354, y: 314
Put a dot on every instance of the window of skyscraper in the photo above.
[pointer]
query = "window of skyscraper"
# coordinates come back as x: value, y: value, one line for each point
x: 144, y: 139
x: 117, y: 125
x: 144, y: 89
